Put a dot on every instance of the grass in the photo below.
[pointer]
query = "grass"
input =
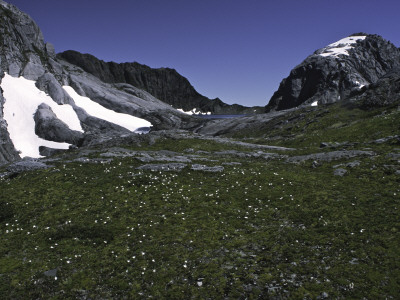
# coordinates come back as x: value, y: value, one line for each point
x: 332, y: 123
x: 259, y: 229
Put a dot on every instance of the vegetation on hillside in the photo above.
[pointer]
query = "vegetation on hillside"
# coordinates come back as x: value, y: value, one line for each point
x: 258, y: 229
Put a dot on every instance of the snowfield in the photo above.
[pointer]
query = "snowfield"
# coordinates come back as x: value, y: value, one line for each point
x: 93, y: 108
x: 342, y: 46
x: 22, y: 99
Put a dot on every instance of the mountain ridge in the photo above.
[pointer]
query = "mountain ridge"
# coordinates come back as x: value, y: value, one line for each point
x: 165, y: 84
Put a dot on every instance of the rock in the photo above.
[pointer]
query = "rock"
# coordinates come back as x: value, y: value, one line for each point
x: 46, y: 151
x: 161, y: 115
x: 204, y: 168
x: 49, y: 84
x: 232, y: 163
x: 218, y: 127
x: 394, y: 138
x: 383, y: 92
x: 49, y: 127
x: 353, y: 164
x: 393, y: 156
x: 323, y: 295
x: 324, y: 145
x: 50, y: 50
x: 329, y: 156
x: 323, y: 78
x: 22, y: 47
x: 27, y: 165
x: 33, y: 71
x: 339, y: 172
x: 51, y: 273
x: 7, y: 151
x: 315, y: 164
x: 163, y: 167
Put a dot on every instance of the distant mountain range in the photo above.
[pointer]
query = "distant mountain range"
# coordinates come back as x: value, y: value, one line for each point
x: 50, y: 101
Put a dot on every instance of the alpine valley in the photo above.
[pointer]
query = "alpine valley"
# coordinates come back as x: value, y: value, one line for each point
x: 109, y: 190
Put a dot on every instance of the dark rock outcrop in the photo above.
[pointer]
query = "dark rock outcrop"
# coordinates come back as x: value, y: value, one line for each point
x: 164, y: 83
x: 334, y: 72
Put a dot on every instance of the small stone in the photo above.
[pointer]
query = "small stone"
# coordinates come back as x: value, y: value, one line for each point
x: 51, y: 273
x: 324, y: 145
x: 339, y: 172
x: 197, y: 167
x: 353, y: 164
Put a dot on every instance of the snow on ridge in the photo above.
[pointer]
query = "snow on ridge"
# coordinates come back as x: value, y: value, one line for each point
x: 22, y: 99
x: 93, y: 108
x: 342, y: 46
x: 194, y: 111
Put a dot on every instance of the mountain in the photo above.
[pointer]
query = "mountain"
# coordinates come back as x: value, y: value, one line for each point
x: 47, y: 103
x: 164, y: 83
x: 332, y: 73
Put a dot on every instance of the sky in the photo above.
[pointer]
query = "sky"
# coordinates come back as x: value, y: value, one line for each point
x: 236, y: 50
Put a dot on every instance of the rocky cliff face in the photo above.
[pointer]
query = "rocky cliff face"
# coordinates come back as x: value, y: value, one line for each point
x: 384, y: 92
x: 25, y: 55
x: 164, y: 83
x: 23, y: 51
x: 332, y: 73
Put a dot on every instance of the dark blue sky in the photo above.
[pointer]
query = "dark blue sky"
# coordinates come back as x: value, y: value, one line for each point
x: 237, y: 50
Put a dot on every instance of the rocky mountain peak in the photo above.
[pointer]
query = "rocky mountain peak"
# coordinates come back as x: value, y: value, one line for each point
x: 331, y: 73
x: 22, y: 49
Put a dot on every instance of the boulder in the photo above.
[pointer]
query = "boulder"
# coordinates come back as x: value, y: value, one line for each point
x: 49, y: 127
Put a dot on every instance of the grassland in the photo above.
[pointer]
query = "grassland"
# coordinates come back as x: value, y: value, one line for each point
x: 260, y: 229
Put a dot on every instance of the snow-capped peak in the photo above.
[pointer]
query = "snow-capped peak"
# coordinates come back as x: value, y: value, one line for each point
x: 341, y: 47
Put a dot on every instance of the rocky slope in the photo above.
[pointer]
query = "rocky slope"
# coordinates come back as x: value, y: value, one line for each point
x: 164, y: 83
x: 332, y: 73
x: 382, y: 94
x: 24, y: 55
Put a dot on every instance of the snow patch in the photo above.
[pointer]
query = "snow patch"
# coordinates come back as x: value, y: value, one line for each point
x: 315, y: 103
x: 93, y: 108
x: 194, y: 111
x: 359, y: 85
x: 342, y: 46
x: 22, y: 99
